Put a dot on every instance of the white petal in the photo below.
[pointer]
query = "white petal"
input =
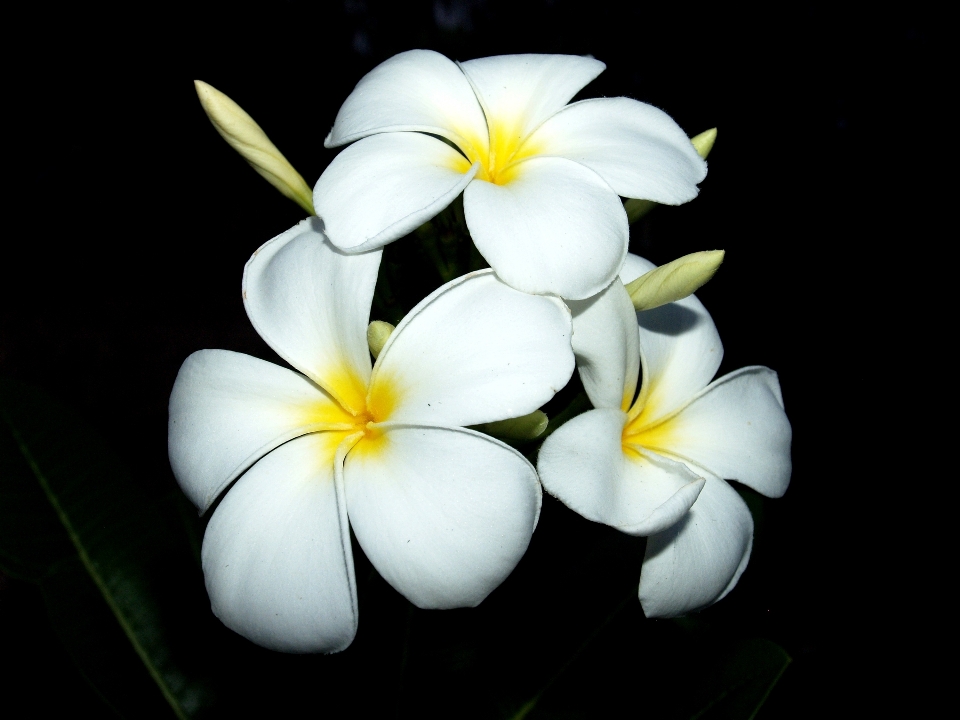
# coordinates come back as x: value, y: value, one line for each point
x: 227, y: 410
x: 521, y: 91
x: 699, y: 560
x: 417, y: 90
x: 680, y: 351
x: 311, y: 303
x: 633, y: 267
x: 584, y: 466
x: 276, y: 554
x: 386, y: 186
x: 638, y: 149
x: 607, y: 346
x: 474, y: 351
x: 444, y: 515
x: 737, y: 429
x: 554, y: 228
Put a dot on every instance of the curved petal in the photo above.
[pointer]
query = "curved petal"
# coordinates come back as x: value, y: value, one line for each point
x: 518, y: 92
x: 584, y: 465
x: 737, y: 429
x: 700, y: 559
x: 276, y: 554
x: 607, y: 346
x: 417, y: 90
x: 556, y: 227
x: 638, y: 149
x: 474, y: 351
x: 679, y: 346
x: 633, y: 267
x: 311, y: 303
x: 227, y: 410
x: 385, y: 186
x: 443, y: 514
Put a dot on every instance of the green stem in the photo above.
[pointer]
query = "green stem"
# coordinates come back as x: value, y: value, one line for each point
x: 91, y: 569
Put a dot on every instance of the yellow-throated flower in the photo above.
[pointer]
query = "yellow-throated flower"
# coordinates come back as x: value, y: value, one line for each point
x: 540, y: 178
x: 656, y: 465
x: 444, y: 513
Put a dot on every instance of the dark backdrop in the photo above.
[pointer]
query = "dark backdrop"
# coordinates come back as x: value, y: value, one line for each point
x: 132, y: 221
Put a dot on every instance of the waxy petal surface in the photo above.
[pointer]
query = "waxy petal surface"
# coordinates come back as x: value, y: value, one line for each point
x: 680, y: 352
x: 737, y: 429
x: 638, y: 149
x: 276, y: 554
x: 518, y: 92
x: 417, y: 90
x: 474, y: 351
x: 700, y: 559
x: 633, y: 267
x: 556, y: 227
x: 607, y: 346
x: 311, y: 303
x: 227, y: 410
x: 680, y: 348
x: 583, y: 465
x: 385, y: 186
x: 443, y: 514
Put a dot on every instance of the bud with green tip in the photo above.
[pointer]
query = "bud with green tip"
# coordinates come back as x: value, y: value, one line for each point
x: 702, y: 143
x: 246, y: 137
x: 377, y: 333
x: 675, y: 280
x: 525, y: 427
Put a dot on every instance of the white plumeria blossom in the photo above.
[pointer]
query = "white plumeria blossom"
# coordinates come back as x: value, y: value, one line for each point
x: 657, y: 465
x: 443, y: 512
x: 540, y: 177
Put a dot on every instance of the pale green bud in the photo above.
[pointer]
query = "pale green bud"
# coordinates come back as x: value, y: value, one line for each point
x: 702, y: 143
x: 377, y: 333
x: 675, y: 280
x: 525, y: 427
x: 246, y: 137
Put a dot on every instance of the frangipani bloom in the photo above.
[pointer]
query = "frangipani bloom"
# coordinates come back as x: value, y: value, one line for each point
x: 444, y: 513
x: 540, y: 178
x: 639, y: 465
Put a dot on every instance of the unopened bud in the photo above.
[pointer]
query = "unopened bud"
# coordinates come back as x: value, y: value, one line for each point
x: 247, y: 138
x: 702, y: 143
x: 525, y: 427
x: 675, y: 280
x: 377, y: 333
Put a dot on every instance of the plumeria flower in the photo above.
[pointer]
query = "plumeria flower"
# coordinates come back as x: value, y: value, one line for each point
x: 640, y: 464
x: 540, y: 178
x: 443, y: 512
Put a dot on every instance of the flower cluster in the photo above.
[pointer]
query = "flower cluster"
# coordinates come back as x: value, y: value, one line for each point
x: 378, y: 429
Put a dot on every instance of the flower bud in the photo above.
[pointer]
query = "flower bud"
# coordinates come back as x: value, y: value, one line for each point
x: 675, y: 280
x: 637, y: 208
x: 525, y: 427
x: 247, y: 138
x: 377, y: 334
x: 703, y: 143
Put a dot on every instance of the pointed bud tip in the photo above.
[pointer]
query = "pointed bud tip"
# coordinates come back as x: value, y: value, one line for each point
x: 703, y: 143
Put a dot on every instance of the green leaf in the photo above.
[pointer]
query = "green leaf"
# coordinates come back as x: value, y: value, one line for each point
x: 74, y: 520
x: 742, y: 681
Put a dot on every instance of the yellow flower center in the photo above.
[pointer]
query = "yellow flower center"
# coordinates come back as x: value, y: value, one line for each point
x: 642, y: 431
x: 357, y: 408
x: 500, y: 157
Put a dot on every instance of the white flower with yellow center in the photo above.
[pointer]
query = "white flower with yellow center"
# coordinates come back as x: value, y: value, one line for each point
x: 444, y: 513
x: 540, y: 178
x: 640, y: 465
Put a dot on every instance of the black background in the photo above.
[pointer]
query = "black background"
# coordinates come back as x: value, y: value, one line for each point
x: 130, y: 220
